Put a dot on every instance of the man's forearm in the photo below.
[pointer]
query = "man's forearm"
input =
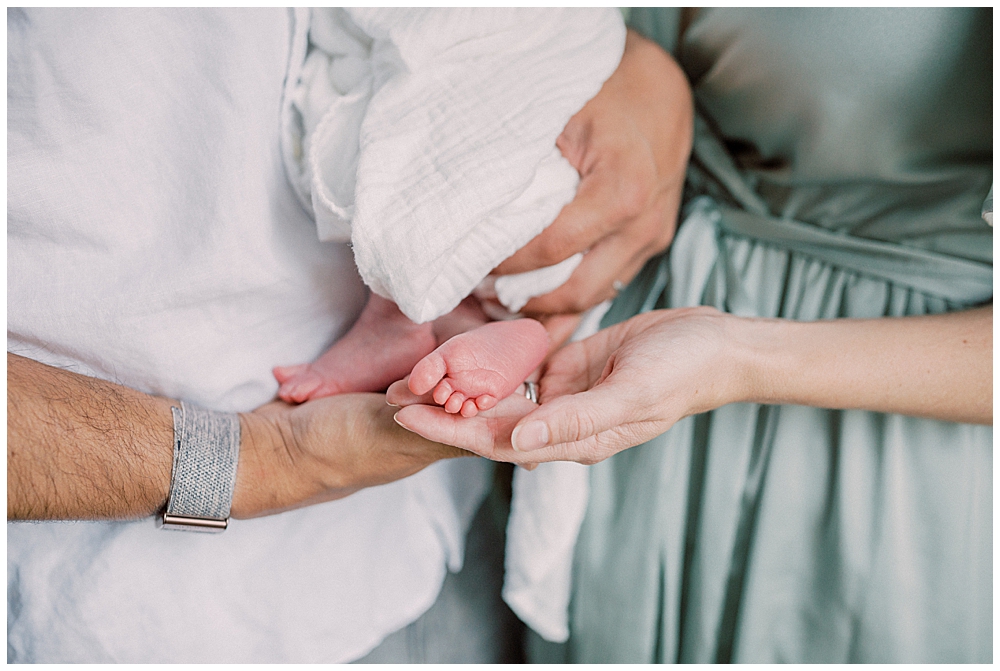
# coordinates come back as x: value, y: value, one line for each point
x: 82, y: 448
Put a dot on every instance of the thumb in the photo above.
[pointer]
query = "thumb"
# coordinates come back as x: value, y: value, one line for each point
x: 570, y: 419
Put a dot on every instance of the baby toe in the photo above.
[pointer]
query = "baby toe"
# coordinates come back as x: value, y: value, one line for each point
x: 442, y: 392
x: 454, y: 403
x: 485, y: 402
x: 299, y: 391
x: 426, y: 373
x: 285, y: 373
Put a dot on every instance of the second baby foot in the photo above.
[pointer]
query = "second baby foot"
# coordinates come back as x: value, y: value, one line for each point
x: 380, y: 348
x: 473, y: 371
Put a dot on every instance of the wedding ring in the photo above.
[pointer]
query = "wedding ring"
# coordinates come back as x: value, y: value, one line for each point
x: 531, y: 391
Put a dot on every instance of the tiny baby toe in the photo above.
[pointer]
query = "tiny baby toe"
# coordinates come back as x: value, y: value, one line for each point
x: 295, y: 395
x: 454, y: 403
x: 284, y: 373
x: 427, y: 373
x: 485, y: 402
x: 300, y: 389
x: 442, y: 392
x: 469, y: 408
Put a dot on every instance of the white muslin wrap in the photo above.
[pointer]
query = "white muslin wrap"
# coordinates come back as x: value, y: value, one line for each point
x: 427, y: 137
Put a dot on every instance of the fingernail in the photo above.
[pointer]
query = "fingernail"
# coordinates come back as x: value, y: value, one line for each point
x: 530, y: 436
x: 391, y: 404
x: 395, y: 418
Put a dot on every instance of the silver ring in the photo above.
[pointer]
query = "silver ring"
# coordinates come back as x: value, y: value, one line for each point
x: 531, y: 391
x: 618, y: 286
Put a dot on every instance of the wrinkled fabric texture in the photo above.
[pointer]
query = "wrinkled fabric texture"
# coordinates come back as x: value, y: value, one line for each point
x: 153, y: 240
x: 840, y: 167
x: 546, y: 511
x: 427, y: 137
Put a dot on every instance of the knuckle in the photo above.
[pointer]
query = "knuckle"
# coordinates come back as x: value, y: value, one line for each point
x: 579, y: 426
x: 658, y: 229
x: 595, y: 450
x: 569, y: 298
x: 553, y: 249
x: 636, y: 189
x: 578, y: 303
x: 632, y: 199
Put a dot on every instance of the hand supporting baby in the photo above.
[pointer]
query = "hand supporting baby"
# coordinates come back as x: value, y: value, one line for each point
x: 619, y: 388
x: 630, y: 144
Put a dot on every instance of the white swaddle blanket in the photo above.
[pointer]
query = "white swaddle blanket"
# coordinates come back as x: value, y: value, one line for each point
x: 426, y: 137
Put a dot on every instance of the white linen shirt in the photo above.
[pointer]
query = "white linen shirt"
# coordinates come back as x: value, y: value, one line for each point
x: 154, y: 241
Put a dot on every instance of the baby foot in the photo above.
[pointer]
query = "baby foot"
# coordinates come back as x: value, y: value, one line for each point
x: 381, y: 347
x: 474, y: 370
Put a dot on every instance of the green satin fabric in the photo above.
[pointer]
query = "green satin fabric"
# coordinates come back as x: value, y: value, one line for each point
x: 841, y: 162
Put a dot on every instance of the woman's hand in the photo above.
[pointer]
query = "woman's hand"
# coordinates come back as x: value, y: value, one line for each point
x: 487, y: 434
x: 633, y: 381
x: 630, y: 144
x: 325, y: 449
x: 618, y: 388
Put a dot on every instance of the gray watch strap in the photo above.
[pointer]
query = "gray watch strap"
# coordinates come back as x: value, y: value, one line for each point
x: 206, y: 452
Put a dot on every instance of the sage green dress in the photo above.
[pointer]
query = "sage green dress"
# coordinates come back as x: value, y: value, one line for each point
x: 841, y: 162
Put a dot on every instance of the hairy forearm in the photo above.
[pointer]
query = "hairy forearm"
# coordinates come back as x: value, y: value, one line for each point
x: 82, y: 448
x: 937, y: 366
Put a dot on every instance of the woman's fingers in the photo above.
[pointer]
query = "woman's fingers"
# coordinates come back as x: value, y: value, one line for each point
x: 399, y: 394
x: 590, y: 450
x: 585, y: 427
x: 630, y: 145
x: 487, y: 434
x: 616, y: 259
x: 595, y: 212
x: 619, y: 225
x: 575, y: 418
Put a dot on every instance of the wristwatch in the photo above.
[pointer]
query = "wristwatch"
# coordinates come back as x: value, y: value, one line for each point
x: 203, y: 479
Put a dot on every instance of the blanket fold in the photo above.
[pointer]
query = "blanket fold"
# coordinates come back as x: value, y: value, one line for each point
x: 427, y: 138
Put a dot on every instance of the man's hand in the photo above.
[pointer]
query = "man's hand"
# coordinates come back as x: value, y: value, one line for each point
x: 487, y: 434
x: 630, y: 144
x: 328, y: 448
x: 82, y: 448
